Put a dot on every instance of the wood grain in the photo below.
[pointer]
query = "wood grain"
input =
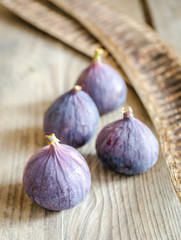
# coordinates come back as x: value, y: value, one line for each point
x: 169, y: 25
x: 35, y: 69
x: 53, y: 21
x: 153, y: 69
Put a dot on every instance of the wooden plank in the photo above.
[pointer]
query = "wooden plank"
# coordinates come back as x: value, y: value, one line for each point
x: 153, y: 68
x: 167, y: 21
x: 35, y: 69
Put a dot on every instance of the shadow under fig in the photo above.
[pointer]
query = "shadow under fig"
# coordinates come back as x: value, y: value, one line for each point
x: 99, y: 172
x: 16, y: 206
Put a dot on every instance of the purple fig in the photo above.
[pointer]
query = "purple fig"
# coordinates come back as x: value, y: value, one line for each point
x: 127, y: 146
x: 56, y: 177
x: 104, y: 84
x: 73, y: 117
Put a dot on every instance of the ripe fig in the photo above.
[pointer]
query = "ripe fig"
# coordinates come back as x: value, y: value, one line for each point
x: 73, y: 117
x: 104, y: 84
x: 56, y: 177
x: 127, y: 146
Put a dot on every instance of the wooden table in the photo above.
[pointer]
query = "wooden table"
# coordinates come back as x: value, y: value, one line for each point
x: 34, y: 70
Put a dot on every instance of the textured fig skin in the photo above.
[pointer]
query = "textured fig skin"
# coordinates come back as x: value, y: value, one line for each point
x: 57, y: 177
x: 127, y: 146
x: 105, y: 86
x: 73, y: 117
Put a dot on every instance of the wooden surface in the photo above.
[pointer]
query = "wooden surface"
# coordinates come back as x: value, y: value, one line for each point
x: 35, y: 69
x: 169, y: 24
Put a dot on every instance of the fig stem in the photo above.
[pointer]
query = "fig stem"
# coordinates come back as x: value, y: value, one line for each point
x: 127, y: 112
x: 77, y: 88
x: 52, y: 139
x: 97, y: 56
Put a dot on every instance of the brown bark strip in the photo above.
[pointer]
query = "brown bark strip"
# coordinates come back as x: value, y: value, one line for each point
x: 147, y: 13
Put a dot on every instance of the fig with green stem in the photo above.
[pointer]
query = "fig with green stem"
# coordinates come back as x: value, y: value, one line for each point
x: 104, y: 84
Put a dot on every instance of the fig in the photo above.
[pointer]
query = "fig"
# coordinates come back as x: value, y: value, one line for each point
x: 56, y: 177
x: 127, y: 146
x: 73, y: 117
x: 104, y: 84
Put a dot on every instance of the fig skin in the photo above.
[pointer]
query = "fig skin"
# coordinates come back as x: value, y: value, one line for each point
x: 73, y: 117
x: 127, y: 146
x: 57, y: 177
x: 104, y: 84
